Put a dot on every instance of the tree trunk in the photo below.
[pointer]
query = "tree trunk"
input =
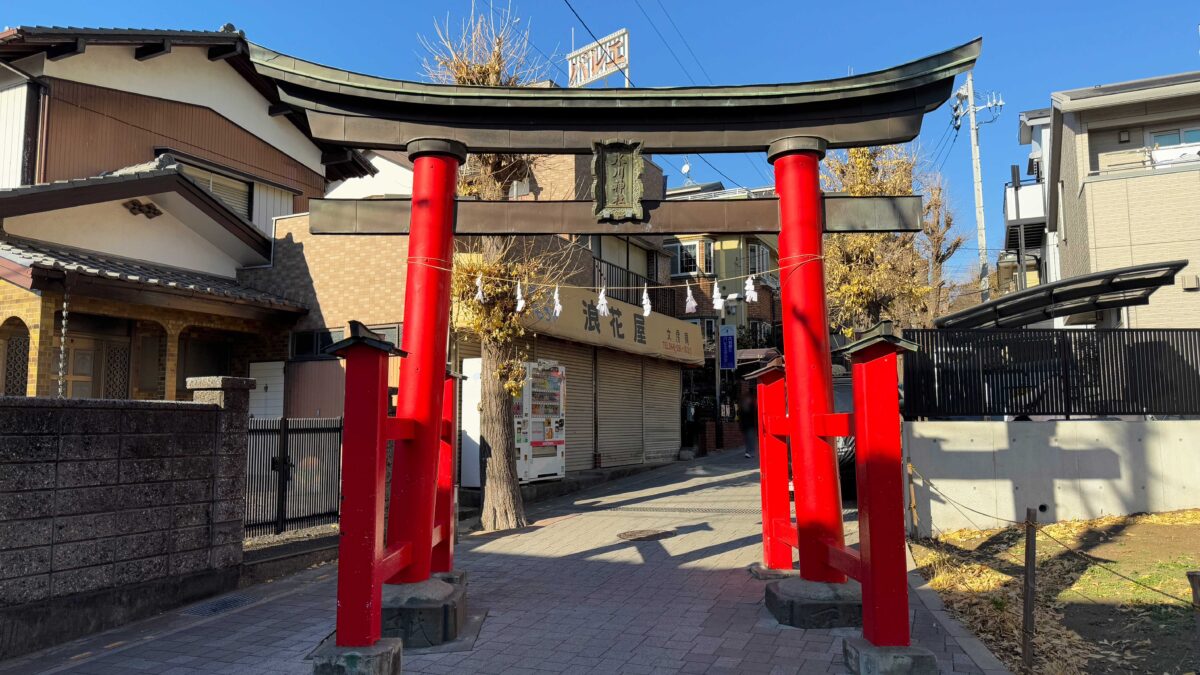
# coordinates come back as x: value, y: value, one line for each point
x: 503, y: 508
x: 502, y: 505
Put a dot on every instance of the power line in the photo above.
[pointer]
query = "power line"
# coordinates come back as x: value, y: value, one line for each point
x: 685, y: 42
x: 595, y: 39
x: 664, y: 41
x: 530, y: 42
x: 722, y: 173
x: 675, y: 56
x: 624, y: 72
x: 949, y: 147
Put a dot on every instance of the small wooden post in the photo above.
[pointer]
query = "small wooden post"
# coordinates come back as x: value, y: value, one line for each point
x: 1194, y: 580
x: 1027, y: 623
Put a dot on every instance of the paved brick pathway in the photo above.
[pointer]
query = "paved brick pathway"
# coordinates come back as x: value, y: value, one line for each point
x: 565, y: 596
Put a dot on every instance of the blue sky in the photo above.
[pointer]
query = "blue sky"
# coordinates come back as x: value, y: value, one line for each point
x: 1029, y: 51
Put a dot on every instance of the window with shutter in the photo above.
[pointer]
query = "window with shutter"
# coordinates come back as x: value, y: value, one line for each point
x: 233, y: 192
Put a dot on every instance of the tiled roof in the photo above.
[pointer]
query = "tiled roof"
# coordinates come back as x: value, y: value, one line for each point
x: 229, y: 33
x: 163, y: 165
x: 100, y: 265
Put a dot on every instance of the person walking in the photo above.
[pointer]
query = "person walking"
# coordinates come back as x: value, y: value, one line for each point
x: 748, y: 420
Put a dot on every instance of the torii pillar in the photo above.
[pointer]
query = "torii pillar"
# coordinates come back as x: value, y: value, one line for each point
x: 808, y: 365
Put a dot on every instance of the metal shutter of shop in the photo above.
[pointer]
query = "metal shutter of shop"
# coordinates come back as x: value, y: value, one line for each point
x: 581, y: 409
x: 618, y: 408
x: 660, y: 410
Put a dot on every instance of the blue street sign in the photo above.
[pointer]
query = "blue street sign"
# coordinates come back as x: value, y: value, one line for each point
x: 728, y: 347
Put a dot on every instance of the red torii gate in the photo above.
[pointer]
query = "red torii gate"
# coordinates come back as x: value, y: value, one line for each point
x: 795, y: 124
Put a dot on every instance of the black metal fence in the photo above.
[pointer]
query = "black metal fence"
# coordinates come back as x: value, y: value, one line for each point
x: 293, y: 474
x: 629, y: 287
x: 971, y: 373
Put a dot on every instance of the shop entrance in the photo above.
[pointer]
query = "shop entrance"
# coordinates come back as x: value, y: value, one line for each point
x: 793, y: 124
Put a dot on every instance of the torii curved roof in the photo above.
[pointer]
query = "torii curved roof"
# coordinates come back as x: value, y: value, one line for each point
x: 365, y: 111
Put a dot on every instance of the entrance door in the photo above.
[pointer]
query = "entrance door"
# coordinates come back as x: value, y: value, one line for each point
x: 266, y: 398
x: 82, y: 376
x: 95, y: 367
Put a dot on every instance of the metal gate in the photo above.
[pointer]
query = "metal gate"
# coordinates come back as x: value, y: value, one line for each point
x: 293, y: 474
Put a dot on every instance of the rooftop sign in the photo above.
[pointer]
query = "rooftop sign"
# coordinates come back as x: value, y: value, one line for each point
x: 595, y: 61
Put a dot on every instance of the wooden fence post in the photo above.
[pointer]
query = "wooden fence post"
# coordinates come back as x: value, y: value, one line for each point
x: 1030, y: 591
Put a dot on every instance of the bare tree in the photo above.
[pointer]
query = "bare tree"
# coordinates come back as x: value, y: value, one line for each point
x: 492, y: 50
x: 937, y: 244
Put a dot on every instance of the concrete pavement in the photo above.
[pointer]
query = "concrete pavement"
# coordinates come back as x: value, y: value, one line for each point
x: 566, y: 595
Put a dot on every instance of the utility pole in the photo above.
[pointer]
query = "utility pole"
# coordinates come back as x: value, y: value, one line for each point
x: 965, y: 105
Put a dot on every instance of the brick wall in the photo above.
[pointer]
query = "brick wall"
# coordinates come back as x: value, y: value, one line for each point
x: 113, y: 510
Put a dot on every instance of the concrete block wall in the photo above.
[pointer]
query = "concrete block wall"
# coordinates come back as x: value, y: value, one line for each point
x: 113, y: 510
x: 1068, y: 469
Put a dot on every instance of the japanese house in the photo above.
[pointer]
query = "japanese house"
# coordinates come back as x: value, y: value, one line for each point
x: 140, y: 172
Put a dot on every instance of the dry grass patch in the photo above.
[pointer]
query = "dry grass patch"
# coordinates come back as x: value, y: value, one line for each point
x: 1087, y: 620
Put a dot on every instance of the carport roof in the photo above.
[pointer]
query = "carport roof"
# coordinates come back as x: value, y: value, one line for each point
x: 1122, y: 287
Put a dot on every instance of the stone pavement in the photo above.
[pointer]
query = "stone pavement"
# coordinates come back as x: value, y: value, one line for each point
x: 566, y: 595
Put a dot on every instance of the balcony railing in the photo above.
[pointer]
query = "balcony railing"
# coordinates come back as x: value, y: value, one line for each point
x: 1031, y: 204
x: 1185, y: 156
x: 626, y: 286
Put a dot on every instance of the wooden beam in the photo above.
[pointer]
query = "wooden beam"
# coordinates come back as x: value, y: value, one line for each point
x: 845, y: 560
x: 833, y: 425
x: 337, y: 157
x: 222, y: 52
x: 152, y: 50
x: 395, y: 558
x: 65, y: 50
x: 726, y: 216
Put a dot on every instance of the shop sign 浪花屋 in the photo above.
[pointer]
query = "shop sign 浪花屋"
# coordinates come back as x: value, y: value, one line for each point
x: 624, y: 329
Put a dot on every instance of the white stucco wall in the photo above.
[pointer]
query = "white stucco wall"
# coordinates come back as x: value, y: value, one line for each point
x: 1075, y: 469
x: 12, y: 132
x: 110, y: 228
x: 392, y: 180
x: 185, y: 75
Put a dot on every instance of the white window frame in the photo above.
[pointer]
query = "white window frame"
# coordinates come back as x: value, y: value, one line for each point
x: 708, y: 328
x: 704, y: 263
x: 758, y: 258
x: 1180, y: 129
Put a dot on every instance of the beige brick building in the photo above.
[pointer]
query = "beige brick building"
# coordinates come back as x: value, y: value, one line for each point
x: 703, y: 258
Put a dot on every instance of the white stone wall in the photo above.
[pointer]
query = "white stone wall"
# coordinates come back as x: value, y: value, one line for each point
x: 1074, y: 469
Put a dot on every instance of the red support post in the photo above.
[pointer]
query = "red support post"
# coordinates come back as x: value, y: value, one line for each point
x: 446, y: 517
x: 773, y: 471
x: 364, y: 467
x: 807, y: 355
x: 878, y: 461
x: 423, y: 371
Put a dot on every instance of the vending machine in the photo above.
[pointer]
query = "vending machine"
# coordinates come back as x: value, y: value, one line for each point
x: 539, y: 422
